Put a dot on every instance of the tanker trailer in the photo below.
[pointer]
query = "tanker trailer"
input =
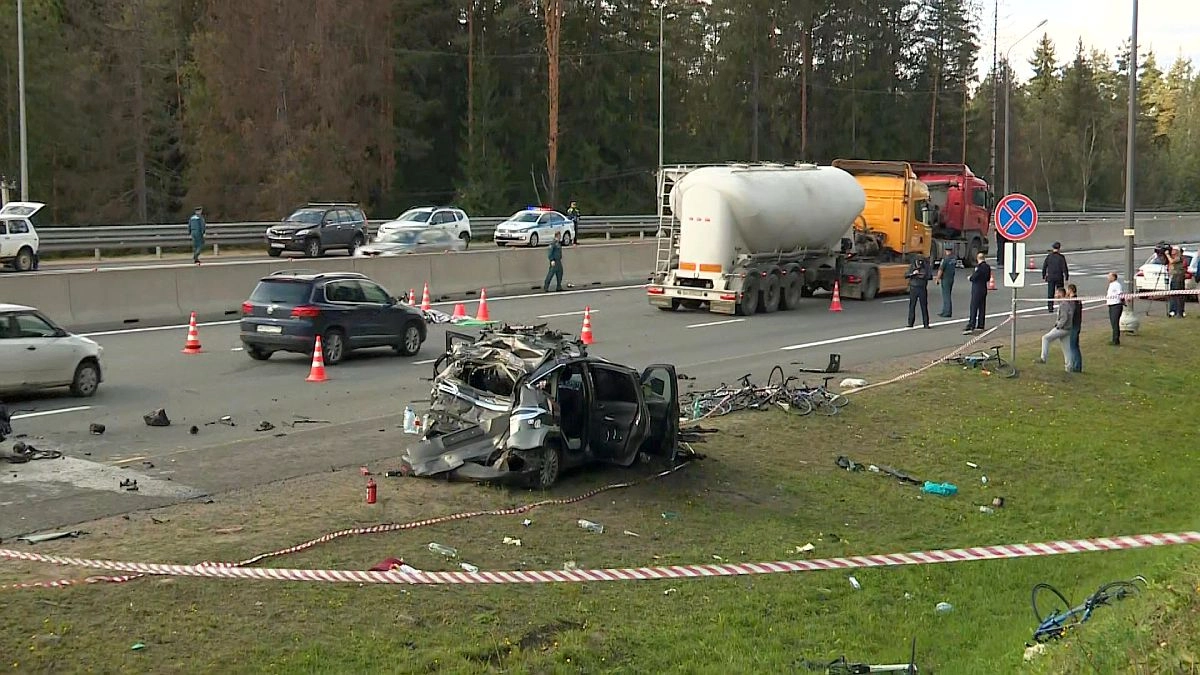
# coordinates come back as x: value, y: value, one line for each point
x: 744, y: 238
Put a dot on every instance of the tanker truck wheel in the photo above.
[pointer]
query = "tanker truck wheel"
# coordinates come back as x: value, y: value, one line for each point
x: 871, y: 285
x: 770, y: 292
x: 749, y: 304
x: 790, y: 288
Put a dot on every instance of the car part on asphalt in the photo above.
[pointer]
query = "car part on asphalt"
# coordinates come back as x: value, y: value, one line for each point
x: 158, y: 418
x: 524, y: 403
x: 23, y: 452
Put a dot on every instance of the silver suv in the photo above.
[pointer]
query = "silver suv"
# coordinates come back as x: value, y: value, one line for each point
x: 451, y: 220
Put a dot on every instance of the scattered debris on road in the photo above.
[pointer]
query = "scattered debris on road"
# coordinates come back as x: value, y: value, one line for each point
x: 51, y: 536
x: 23, y: 452
x: 510, y: 541
x: 194, y: 430
x: 157, y: 418
x: 96, y: 429
x: 265, y: 426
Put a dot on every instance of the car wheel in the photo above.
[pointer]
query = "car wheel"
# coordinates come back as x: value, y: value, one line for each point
x: 547, y: 474
x: 274, y: 252
x: 567, y: 238
x: 86, y: 380
x: 354, y: 244
x: 312, y: 248
x: 410, y: 342
x: 533, y: 240
x: 24, y: 260
x: 258, y: 353
x: 333, y: 343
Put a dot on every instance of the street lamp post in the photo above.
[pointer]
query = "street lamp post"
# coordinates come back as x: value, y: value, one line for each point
x: 1129, y: 322
x: 1007, y: 107
x: 21, y: 99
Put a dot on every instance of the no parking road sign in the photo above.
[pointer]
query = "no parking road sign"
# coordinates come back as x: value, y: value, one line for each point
x: 1016, y: 217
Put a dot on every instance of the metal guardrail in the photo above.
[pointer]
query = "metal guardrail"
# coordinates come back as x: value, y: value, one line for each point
x: 109, y: 237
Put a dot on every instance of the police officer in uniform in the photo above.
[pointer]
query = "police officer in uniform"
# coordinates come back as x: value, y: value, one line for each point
x: 918, y: 291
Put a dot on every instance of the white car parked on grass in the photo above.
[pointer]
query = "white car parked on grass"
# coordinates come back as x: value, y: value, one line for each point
x: 1152, y: 275
x: 448, y: 219
x: 18, y: 240
x: 535, y: 226
x: 35, y: 353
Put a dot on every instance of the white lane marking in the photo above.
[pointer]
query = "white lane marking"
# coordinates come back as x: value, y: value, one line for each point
x: 236, y: 349
x: 905, y: 329
x: 43, y: 413
x: 553, y: 316
x: 451, y: 303
x: 716, y: 323
x: 130, y: 459
x: 424, y: 363
x: 892, y: 302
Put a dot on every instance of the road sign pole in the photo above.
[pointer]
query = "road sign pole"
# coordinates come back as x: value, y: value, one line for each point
x: 1012, y: 353
x: 1016, y: 216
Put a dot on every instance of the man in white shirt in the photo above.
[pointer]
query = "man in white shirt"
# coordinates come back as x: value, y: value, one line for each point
x: 1116, y: 304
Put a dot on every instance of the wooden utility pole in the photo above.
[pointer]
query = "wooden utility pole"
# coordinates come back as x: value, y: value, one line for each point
x: 553, y: 37
x: 471, y: 79
x: 806, y: 48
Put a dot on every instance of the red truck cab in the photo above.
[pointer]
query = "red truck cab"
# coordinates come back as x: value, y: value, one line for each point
x: 960, y: 202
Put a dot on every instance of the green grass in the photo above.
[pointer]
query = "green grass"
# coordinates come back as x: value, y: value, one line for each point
x: 1106, y: 452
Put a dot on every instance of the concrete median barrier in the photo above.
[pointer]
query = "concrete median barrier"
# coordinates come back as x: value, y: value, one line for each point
x: 50, y: 293
x: 216, y: 292
x: 398, y: 274
x: 596, y: 265
x: 130, y: 297
x: 523, y: 270
x: 466, y: 273
x: 637, y: 262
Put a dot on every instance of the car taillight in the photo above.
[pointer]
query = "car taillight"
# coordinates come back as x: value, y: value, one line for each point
x: 728, y: 296
x: 1140, y: 274
x: 654, y: 290
x: 306, y: 312
x: 247, y: 308
x: 853, y: 279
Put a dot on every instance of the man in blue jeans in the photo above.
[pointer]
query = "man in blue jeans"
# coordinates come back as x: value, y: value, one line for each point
x: 554, y: 255
x: 1076, y: 358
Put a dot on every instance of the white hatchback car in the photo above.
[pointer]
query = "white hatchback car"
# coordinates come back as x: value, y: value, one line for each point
x: 18, y: 240
x: 535, y: 226
x: 1152, y: 275
x: 448, y: 219
x: 35, y: 353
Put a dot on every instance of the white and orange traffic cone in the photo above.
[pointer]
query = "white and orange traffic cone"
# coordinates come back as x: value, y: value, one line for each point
x: 460, y: 312
x: 992, y: 282
x: 836, y: 305
x: 586, y: 333
x: 483, y: 314
x: 192, y: 344
x: 1031, y: 265
x: 425, y: 304
x: 412, y: 297
x: 317, y: 372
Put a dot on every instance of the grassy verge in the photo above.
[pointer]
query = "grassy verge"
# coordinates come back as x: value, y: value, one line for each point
x: 1073, y: 456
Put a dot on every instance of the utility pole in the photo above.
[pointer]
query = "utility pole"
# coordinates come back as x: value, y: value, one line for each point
x: 553, y: 37
x: 1129, y: 322
x: 21, y: 98
x: 995, y: 87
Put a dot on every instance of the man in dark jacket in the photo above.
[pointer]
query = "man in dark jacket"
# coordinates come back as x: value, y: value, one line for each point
x: 555, y: 271
x: 945, y: 278
x: 979, y: 282
x: 918, y: 291
x: 1055, y: 274
x: 1076, y: 361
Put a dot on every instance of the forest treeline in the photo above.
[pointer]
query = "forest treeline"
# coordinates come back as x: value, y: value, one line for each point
x: 140, y: 109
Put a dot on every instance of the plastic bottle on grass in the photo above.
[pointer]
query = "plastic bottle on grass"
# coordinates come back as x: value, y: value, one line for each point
x: 590, y: 526
x: 443, y: 550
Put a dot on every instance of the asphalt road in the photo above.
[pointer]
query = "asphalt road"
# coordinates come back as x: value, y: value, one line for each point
x: 354, y: 418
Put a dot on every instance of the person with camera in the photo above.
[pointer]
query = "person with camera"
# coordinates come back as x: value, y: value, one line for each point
x: 1177, y: 275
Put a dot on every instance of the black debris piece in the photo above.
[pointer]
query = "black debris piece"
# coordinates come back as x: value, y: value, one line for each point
x: 95, y: 429
x: 903, y: 476
x: 148, y: 465
x: 157, y: 418
x: 265, y: 426
x: 848, y: 464
x: 194, y: 430
x: 129, y: 485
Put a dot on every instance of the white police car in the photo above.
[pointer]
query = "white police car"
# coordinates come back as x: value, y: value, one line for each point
x: 535, y: 226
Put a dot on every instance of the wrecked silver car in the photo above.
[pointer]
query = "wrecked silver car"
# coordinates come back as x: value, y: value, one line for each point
x: 522, y: 404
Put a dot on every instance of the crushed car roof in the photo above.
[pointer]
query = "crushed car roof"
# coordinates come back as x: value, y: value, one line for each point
x: 525, y: 349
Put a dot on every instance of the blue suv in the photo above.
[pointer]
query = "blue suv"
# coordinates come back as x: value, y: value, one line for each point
x: 290, y: 308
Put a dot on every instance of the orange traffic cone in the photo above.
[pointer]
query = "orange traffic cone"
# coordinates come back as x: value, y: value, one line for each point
x: 425, y: 304
x: 412, y: 297
x: 317, y: 373
x: 836, y: 305
x: 586, y: 333
x: 1031, y: 265
x: 483, y: 314
x: 460, y: 312
x: 192, y: 345
x: 992, y: 282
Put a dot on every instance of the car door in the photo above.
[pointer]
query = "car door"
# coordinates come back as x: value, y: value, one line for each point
x: 7, y: 248
x: 386, y: 318
x: 617, y: 423
x: 660, y: 392
x: 354, y: 315
x: 49, y: 356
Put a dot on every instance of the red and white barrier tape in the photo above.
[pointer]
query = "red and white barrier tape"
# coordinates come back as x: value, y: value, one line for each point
x: 1001, y: 552
x: 1140, y: 295
x: 355, y: 531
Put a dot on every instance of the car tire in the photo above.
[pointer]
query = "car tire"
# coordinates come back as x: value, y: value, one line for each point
x: 533, y: 240
x: 86, y: 380
x: 24, y: 260
x: 274, y: 252
x: 312, y: 248
x: 567, y: 239
x: 333, y: 343
x: 355, y: 244
x: 258, y: 353
x: 410, y: 340
x: 547, y: 475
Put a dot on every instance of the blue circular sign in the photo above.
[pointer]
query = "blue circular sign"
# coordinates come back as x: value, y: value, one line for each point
x: 1016, y: 217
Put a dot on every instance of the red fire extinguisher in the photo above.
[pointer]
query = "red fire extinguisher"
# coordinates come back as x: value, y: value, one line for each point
x: 370, y: 490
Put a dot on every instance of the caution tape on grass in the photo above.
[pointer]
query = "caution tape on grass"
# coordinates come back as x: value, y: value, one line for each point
x: 354, y: 531
x: 1001, y: 552
x: 1140, y: 295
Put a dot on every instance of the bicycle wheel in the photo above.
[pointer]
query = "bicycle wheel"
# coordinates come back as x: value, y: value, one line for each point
x: 796, y: 405
x: 838, y: 400
x: 1003, y: 368
x: 1058, y: 600
x: 823, y: 406
x: 1112, y: 592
